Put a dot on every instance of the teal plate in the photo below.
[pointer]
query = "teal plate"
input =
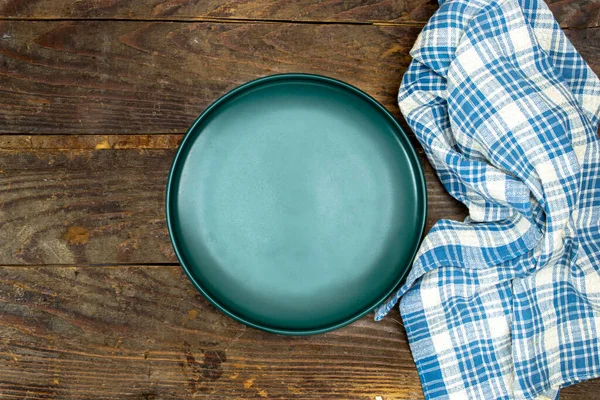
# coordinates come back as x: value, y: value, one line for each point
x: 296, y: 203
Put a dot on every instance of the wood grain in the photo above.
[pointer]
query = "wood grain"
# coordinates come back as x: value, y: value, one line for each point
x: 297, y: 10
x: 569, y: 13
x: 133, y: 77
x: 100, y: 199
x: 576, y: 14
x: 145, y: 333
x: 586, y: 390
x: 94, y: 110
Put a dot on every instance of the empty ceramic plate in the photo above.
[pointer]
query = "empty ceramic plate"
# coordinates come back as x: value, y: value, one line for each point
x: 296, y: 203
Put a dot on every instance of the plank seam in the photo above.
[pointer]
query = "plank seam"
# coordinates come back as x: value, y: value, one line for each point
x: 215, y: 19
x: 184, y: 20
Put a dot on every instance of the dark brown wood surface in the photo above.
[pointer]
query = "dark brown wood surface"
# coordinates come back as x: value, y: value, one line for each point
x: 569, y: 13
x: 145, y: 332
x: 95, y: 97
x: 103, y: 77
x: 100, y: 199
x: 358, y: 11
x: 100, y: 77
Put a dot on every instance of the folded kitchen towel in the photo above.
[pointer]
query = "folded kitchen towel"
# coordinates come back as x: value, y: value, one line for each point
x: 505, y: 305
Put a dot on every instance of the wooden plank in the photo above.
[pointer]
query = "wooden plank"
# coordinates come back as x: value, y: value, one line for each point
x: 146, y: 333
x: 66, y: 202
x: 132, y: 77
x: 100, y: 199
x: 569, y: 13
x: 297, y: 10
x: 576, y: 14
x: 582, y: 391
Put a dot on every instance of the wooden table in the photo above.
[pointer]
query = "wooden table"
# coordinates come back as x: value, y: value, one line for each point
x: 96, y: 95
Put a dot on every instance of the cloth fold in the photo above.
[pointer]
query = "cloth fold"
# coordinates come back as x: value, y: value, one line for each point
x: 506, y: 304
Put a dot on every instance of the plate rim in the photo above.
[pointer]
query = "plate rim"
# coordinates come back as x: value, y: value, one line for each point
x: 401, y: 138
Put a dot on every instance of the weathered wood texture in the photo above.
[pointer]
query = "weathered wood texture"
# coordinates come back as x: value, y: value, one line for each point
x: 569, y: 13
x: 576, y: 14
x: 146, y: 333
x: 100, y: 199
x: 137, y: 77
x: 588, y: 390
x: 118, y: 95
x: 300, y: 10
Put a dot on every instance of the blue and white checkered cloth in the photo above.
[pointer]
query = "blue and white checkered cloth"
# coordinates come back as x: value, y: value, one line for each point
x: 505, y: 305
